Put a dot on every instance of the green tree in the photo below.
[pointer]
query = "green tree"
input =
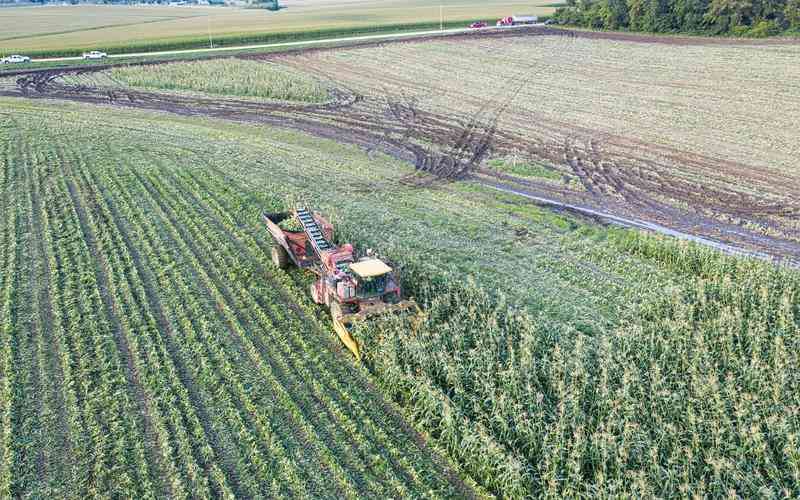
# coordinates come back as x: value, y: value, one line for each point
x: 726, y: 15
x: 689, y: 14
x: 636, y: 14
x: 615, y: 14
x: 792, y: 13
x: 769, y: 10
x: 656, y: 16
x: 740, y: 17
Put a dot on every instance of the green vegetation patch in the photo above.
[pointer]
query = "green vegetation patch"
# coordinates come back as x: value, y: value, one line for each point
x: 235, y: 77
x: 554, y: 359
x: 174, y: 361
x: 524, y: 169
x: 744, y: 19
x: 539, y: 407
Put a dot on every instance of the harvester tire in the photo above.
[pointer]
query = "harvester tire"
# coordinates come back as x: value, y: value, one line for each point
x: 279, y: 257
x: 391, y: 298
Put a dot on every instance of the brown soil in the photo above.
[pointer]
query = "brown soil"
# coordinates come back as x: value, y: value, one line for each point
x: 618, y: 174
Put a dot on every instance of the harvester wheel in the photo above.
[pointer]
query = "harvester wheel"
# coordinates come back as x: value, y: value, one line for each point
x: 391, y: 298
x: 279, y: 257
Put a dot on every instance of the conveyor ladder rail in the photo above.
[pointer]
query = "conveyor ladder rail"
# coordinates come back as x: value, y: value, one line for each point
x: 314, y: 232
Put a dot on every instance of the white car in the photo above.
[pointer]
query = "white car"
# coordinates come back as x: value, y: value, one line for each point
x: 95, y: 54
x: 15, y: 59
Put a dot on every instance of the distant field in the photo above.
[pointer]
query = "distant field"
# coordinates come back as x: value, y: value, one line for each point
x: 641, y: 124
x: 40, y: 29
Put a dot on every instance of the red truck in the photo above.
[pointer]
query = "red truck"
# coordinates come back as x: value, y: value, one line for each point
x: 517, y: 20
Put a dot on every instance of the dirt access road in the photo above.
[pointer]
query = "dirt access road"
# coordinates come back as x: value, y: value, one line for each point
x: 625, y: 184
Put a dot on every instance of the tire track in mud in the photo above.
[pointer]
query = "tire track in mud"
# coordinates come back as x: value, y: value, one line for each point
x: 639, y: 190
x: 450, y: 146
x: 639, y: 224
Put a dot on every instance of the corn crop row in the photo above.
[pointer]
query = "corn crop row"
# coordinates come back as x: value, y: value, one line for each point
x: 184, y: 446
x: 7, y: 369
x: 231, y: 77
x: 203, y: 354
x: 241, y: 334
x: 675, y: 402
x: 98, y: 404
x: 242, y: 301
x: 233, y: 325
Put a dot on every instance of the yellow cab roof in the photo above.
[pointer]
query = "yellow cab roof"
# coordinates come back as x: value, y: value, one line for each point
x: 369, y: 268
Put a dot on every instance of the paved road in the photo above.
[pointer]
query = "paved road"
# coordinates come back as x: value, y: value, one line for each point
x: 386, y: 36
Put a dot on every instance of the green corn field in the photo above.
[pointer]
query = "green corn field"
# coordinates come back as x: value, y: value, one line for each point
x: 149, y: 348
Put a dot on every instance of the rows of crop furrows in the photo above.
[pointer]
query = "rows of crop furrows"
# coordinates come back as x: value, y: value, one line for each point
x: 150, y: 350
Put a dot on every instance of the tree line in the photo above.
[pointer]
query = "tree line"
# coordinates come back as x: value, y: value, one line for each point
x: 757, y: 18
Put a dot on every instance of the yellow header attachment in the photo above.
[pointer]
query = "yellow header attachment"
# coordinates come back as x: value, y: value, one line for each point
x: 370, y: 268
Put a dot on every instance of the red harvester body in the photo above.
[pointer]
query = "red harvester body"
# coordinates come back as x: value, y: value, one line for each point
x: 353, y: 289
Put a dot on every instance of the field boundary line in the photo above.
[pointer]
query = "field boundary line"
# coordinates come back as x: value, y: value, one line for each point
x: 321, y: 41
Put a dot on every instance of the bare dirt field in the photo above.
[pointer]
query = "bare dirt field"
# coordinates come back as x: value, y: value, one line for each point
x: 684, y: 134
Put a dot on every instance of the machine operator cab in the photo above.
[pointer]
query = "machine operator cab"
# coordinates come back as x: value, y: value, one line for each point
x: 375, y: 279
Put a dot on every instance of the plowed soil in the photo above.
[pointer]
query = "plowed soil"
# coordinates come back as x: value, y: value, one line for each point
x: 452, y: 135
